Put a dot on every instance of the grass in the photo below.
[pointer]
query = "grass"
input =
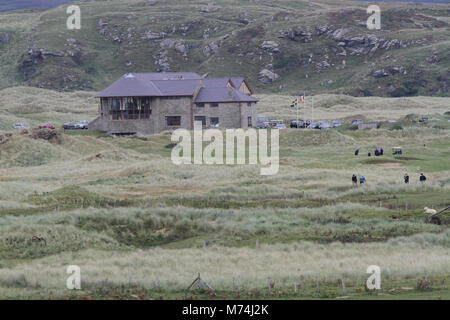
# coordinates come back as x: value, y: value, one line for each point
x: 135, y: 223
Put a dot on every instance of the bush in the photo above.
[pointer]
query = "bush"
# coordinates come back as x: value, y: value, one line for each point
x: 396, y: 126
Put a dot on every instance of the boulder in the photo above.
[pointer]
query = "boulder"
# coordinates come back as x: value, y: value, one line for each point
x: 266, y: 76
x: 149, y: 35
x: 380, y: 73
x: 167, y: 43
x: 339, y: 34
x: 181, y: 47
x: 270, y: 46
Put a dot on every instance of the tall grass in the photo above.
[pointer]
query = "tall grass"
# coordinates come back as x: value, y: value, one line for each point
x: 305, y: 262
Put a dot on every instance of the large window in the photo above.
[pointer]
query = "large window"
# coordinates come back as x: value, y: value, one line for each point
x: 214, y: 105
x: 173, y: 121
x: 200, y: 105
x: 201, y: 118
x: 130, y: 108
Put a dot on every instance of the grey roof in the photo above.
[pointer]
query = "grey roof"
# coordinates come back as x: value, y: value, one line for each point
x: 169, y: 76
x: 218, y: 94
x: 152, y: 84
x: 215, y: 82
x: 176, y: 84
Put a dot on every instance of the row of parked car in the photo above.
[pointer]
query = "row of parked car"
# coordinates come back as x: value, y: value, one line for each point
x: 80, y: 125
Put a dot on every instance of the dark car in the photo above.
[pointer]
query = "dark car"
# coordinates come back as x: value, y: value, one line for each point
x: 297, y: 124
x: 69, y: 126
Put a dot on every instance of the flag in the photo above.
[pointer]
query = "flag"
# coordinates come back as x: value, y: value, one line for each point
x: 301, y: 98
x: 294, y: 103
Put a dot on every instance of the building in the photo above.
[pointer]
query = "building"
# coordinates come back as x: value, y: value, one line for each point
x: 150, y: 103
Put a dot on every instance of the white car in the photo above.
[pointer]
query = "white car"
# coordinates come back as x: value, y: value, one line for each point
x: 19, y: 126
x: 83, y: 124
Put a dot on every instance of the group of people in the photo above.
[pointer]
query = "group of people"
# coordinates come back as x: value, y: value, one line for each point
x: 422, y: 178
x: 362, y: 179
x: 378, y: 152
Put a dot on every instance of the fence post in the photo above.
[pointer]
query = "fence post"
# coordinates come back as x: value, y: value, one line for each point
x: 204, y: 245
x: 344, y: 290
x: 295, y: 286
x: 257, y: 243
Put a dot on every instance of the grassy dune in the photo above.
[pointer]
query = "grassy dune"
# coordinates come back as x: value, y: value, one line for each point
x: 135, y: 223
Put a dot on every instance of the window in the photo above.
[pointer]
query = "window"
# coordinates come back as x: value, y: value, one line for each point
x: 249, y: 121
x: 130, y: 108
x: 115, y: 109
x: 214, y: 121
x: 173, y: 121
x: 146, y: 109
x: 201, y: 118
x: 214, y: 105
x: 249, y: 104
x: 200, y: 105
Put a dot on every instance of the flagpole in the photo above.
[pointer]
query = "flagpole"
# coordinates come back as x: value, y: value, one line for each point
x: 304, y: 103
x: 297, y: 112
x: 312, y: 109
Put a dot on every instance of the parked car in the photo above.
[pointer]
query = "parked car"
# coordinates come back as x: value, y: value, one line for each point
x: 297, y: 124
x: 324, y: 125
x: 81, y: 124
x: 336, y: 123
x: 19, y: 126
x: 274, y: 123
x: 357, y: 121
x: 47, y: 126
x: 280, y: 126
x: 314, y: 125
x: 264, y: 125
x: 69, y: 126
x: 261, y: 121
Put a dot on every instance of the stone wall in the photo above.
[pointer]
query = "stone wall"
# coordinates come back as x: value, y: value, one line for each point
x: 231, y: 115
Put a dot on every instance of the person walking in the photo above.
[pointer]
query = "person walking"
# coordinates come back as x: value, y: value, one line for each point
x: 354, y: 180
x: 406, y: 178
x: 422, y: 178
x: 362, y: 180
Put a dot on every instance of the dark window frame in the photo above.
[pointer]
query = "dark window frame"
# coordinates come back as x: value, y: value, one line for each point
x: 203, y: 119
x: 173, y: 121
x: 211, y: 122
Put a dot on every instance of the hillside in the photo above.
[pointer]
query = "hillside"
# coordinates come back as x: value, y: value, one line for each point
x: 280, y: 46
x: 8, y: 5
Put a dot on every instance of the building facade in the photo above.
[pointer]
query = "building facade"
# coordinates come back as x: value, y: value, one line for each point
x: 154, y: 102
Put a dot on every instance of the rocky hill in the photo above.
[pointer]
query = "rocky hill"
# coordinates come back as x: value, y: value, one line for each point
x: 320, y: 46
